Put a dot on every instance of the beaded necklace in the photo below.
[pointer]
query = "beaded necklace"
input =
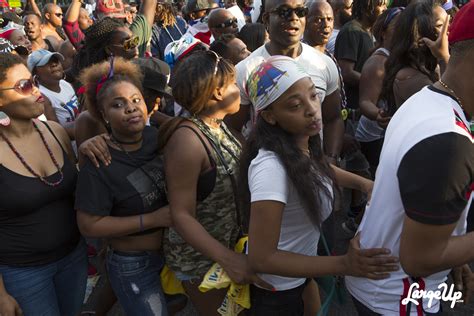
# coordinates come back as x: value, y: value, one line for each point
x: 17, y: 154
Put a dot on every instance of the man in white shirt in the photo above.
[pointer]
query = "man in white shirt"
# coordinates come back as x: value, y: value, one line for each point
x: 285, y: 21
x: 423, y: 190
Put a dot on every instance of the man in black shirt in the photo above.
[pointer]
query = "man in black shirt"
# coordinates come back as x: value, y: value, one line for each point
x: 354, y: 42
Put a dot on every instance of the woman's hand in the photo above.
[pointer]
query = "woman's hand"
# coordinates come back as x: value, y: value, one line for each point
x: 96, y: 150
x: 440, y: 47
x: 163, y: 217
x: 374, y: 263
x: 239, y: 271
x: 9, y: 306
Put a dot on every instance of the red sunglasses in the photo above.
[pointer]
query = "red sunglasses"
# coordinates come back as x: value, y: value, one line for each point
x: 23, y: 86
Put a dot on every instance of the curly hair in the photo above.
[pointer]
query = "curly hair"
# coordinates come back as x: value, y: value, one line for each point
x: 414, y: 23
x: 308, y: 175
x: 7, y: 61
x: 97, y: 37
x: 123, y: 71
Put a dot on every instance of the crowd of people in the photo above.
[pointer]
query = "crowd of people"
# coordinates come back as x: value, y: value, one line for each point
x: 164, y: 132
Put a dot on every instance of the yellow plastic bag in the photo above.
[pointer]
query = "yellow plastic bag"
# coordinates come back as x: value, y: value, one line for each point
x: 171, y: 285
x: 238, y: 296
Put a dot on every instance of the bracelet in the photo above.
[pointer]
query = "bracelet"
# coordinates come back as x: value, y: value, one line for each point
x: 141, y: 223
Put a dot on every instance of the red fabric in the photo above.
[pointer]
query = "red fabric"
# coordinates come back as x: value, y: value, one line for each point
x: 113, y: 8
x: 204, y: 37
x: 74, y: 33
x: 6, y: 34
x: 406, y: 288
x: 462, y: 27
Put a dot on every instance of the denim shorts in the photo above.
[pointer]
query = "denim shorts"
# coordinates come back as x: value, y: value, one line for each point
x: 54, y: 289
x: 135, y: 279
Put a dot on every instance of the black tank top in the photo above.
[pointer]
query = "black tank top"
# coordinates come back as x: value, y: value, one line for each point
x: 37, y: 222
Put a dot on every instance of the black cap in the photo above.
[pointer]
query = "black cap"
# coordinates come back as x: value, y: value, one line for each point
x: 156, y: 74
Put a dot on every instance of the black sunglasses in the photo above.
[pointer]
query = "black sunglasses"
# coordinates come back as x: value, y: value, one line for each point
x: 286, y: 12
x: 228, y: 23
x: 58, y: 15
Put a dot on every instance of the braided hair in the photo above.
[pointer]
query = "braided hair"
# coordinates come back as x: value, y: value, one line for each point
x: 97, y: 37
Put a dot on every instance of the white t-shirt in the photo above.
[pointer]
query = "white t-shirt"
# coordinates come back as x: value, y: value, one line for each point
x: 320, y: 68
x: 65, y: 103
x: 268, y: 181
x: 417, y: 177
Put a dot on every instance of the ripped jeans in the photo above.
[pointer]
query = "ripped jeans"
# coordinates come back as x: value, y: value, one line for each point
x: 135, y: 279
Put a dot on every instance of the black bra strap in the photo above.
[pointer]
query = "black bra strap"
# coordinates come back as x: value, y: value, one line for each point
x: 54, y: 135
x: 211, y: 159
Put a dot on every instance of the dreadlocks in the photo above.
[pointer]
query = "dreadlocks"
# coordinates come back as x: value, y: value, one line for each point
x: 364, y: 7
x: 164, y: 14
x: 97, y: 36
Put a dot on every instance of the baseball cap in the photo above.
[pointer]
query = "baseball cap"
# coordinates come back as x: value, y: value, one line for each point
x: 40, y: 58
x: 197, y: 5
x: 112, y: 8
x: 462, y: 27
x: 156, y: 74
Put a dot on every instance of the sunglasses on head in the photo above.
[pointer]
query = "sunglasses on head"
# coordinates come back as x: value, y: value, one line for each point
x: 218, y: 59
x: 23, y: 86
x: 228, y: 23
x: 131, y: 43
x: 286, y: 13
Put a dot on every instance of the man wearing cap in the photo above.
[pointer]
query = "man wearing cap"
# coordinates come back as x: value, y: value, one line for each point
x: 156, y: 74
x: 423, y: 189
x: 197, y: 11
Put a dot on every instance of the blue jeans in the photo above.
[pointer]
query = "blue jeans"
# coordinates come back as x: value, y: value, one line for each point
x: 52, y: 289
x: 135, y: 278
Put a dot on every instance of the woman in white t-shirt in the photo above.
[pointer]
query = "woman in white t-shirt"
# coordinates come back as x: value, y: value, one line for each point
x: 290, y: 192
x: 49, y: 74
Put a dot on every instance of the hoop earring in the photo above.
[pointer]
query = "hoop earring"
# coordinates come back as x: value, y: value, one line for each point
x: 4, y: 119
x: 35, y: 80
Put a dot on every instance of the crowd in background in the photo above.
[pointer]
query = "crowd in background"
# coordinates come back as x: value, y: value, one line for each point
x: 159, y: 134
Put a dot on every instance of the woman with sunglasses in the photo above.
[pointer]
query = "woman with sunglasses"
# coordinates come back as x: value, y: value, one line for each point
x: 43, y: 262
x: 201, y: 158
x: 371, y: 128
x: 287, y: 187
x: 125, y: 201
x: 48, y: 73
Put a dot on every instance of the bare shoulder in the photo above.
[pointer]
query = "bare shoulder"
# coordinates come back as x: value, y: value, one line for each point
x: 184, y: 146
x: 59, y: 131
x: 87, y: 126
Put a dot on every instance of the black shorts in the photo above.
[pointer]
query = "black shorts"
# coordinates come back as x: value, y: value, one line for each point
x: 278, y: 303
